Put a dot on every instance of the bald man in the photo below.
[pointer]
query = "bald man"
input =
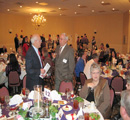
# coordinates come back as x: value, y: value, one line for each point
x: 34, y: 64
x: 64, y: 65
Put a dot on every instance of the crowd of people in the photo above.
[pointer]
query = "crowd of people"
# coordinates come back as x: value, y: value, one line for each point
x: 65, y: 62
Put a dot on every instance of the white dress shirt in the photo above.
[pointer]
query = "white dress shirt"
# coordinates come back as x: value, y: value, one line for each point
x: 36, y: 50
x: 87, y: 68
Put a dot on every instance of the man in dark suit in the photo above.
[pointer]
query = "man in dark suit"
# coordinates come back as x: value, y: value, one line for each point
x: 64, y: 64
x: 16, y: 41
x: 34, y: 64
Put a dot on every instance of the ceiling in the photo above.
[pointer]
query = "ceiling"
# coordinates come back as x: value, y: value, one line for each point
x: 64, y: 7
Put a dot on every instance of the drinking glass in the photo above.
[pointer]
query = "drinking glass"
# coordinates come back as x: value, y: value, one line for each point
x: 86, y: 116
x: 2, y: 101
x: 27, y: 93
x: 68, y: 96
x: 81, y: 104
x: 72, y: 95
x: 75, y: 104
x: 81, y: 117
x: 23, y: 91
x: 7, y: 99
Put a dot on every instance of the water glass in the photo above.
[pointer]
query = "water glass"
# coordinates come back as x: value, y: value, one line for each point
x: 7, y: 99
x: 27, y: 93
x: 75, y: 104
x: 86, y: 116
x: 81, y: 104
x: 81, y: 117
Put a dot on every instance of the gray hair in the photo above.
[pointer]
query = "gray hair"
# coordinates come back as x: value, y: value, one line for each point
x: 125, y: 101
x: 95, y: 66
x: 34, y: 38
x: 66, y: 37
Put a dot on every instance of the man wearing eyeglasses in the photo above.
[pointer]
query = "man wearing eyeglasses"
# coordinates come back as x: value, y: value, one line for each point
x: 34, y: 66
x: 64, y: 62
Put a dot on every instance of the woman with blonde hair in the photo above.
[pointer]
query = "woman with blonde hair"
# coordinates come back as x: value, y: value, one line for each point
x: 96, y: 89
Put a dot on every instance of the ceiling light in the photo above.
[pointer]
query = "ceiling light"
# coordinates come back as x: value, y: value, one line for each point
x: 43, y: 3
x: 75, y: 12
x: 92, y: 10
x: 30, y: 13
x: 8, y: 9
x: 102, y: 2
x: 21, y: 6
x: 60, y: 14
x: 38, y: 20
x: 78, y: 5
x: 113, y: 9
x: 36, y: 2
x: 59, y: 8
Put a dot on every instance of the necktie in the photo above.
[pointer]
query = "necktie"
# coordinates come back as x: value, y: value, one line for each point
x: 60, y: 50
x: 40, y: 57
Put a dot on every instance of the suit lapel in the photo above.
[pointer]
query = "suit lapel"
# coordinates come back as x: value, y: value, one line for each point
x: 36, y: 57
x: 64, y: 51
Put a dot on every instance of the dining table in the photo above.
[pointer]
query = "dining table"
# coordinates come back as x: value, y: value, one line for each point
x: 85, y: 109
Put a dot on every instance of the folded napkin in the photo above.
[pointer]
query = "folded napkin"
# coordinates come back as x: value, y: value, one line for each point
x: 55, y: 96
x: 16, y: 100
x: 0, y: 112
x: 71, y: 117
x: 31, y: 95
x: 80, y: 112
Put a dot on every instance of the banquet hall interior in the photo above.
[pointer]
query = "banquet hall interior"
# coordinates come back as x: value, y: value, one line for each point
x: 107, y: 22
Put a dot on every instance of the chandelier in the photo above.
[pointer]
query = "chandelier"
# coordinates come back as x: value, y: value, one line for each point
x: 38, y: 20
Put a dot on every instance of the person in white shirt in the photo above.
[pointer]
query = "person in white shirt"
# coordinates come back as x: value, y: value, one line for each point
x: 86, y: 71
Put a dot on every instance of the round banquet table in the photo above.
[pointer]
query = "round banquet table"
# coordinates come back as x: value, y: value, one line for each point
x: 85, y: 109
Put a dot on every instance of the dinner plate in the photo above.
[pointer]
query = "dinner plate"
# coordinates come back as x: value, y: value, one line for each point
x: 62, y: 102
x: 67, y: 108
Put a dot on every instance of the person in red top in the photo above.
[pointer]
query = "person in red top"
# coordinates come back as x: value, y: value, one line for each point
x: 25, y: 46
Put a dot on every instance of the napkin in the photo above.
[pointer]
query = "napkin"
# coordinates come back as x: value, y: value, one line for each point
x: 55, y: 96
x: 0, y: 112
x: 31, y: 95
x: 16, y: 100
x: 80, y: 112
x: 69, y: 116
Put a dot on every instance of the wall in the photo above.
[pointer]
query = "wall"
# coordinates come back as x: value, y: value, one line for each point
x: 125, y: 32
x: 109, y: 28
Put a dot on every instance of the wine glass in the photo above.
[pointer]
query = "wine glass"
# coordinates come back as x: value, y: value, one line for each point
x: 2, y: 101
x: 72, y: 95
x: 27, y: 93
x: 7, y: 99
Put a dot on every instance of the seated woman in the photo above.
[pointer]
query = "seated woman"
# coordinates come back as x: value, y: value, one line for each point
x: 13, y: 65
x: 96, y: 89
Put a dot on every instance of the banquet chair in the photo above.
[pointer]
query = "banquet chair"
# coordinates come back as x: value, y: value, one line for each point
x: 4, y: 91
x: 14, y: 80
x: 2, y: 60
x: 24, y: 81
x: 83, y: 78
x: 112, y: 94
x: 65, y: 85
x: 117, y: 83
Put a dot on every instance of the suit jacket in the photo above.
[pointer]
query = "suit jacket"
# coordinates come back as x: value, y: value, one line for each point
x: 64, y: 64
x: 101, y: 96
x: 33, y: 67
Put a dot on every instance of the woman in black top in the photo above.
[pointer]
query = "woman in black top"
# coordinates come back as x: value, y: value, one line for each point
x: 13, y: 65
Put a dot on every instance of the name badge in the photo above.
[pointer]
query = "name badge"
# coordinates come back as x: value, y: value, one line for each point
x: 64, y: 61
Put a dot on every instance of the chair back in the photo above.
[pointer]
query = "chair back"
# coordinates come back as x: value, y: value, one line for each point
x: 112, y: 94
x: 4, y: 91
x: 13, y: 78
x: 24, y: 81
x: 65, y: 85
x: 117, y: 83
x: 83, y: 78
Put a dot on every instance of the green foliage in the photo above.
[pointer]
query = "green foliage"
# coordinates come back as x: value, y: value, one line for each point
x: 79, y: 99
x: 94, y: 116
